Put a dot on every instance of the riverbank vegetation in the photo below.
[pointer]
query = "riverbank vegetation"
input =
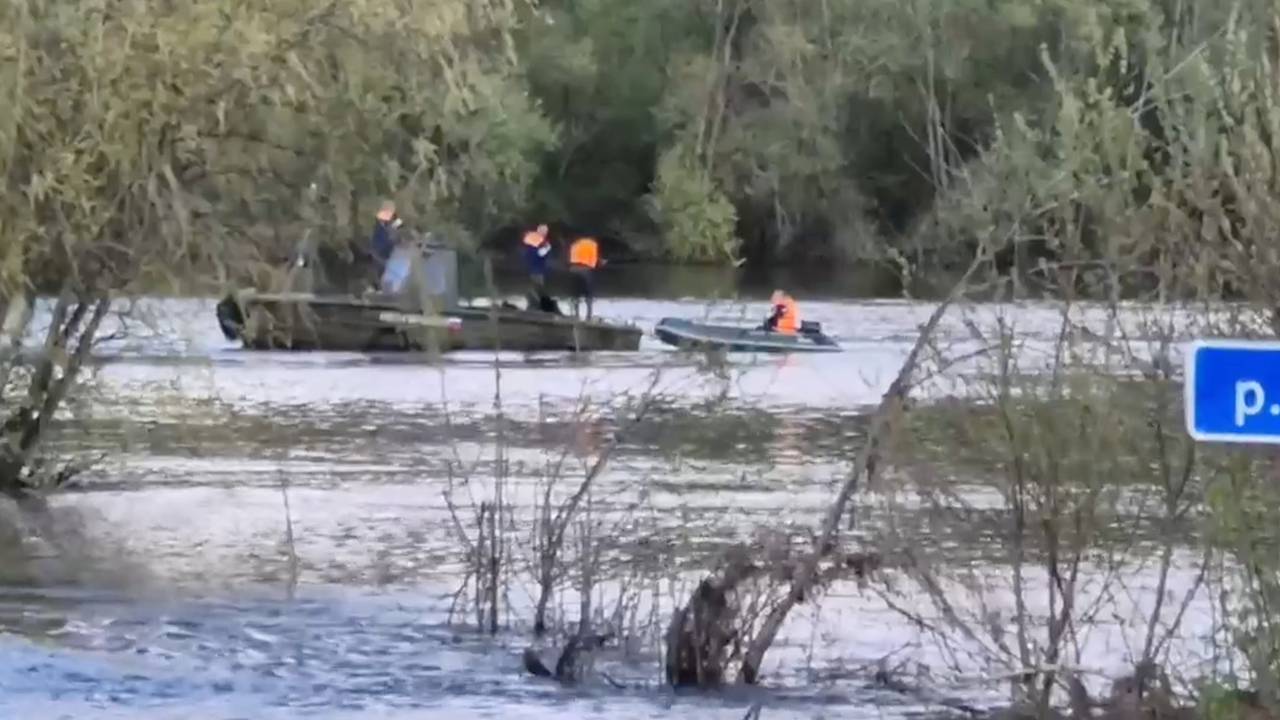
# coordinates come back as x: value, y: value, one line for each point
x: 1098, y: 150
x: 690, y: 131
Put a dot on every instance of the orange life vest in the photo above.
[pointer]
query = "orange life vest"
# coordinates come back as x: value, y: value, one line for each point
x: 533, y: 239
x: 789, y: 320
x: 584, y: 252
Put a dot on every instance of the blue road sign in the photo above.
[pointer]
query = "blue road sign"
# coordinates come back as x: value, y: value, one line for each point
x: 1231, y: 391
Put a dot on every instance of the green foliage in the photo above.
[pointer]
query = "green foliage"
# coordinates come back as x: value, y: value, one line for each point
x: 1154, y: 161
x: 164, y: 145
x: 172, y: 140
x: 1243, y: 501
x: 1220, y: 702
x: 695, y: 217
x: 1071, y: 129
x: 840, y: 128
x: 819, y: 122
x: 598, y: 69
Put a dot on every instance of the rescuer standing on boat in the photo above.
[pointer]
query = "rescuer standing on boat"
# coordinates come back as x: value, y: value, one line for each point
x: 383, y: 242
x: 537, y: 248
x: 584, y: 258
x: 785, y: 317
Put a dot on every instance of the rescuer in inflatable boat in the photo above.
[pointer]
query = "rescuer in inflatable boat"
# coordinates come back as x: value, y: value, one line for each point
x: 785, y: 317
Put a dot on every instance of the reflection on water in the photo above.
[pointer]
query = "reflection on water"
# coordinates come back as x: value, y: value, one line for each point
x: 344, y: 655
x: 187, y: 613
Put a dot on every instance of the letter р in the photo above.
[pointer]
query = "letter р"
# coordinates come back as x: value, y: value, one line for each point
x: 1243, y: 389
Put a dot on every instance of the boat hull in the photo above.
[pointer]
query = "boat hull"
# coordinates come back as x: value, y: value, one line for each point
x: 301, y: 322
x: 343, y: 323
x: 531, y: 330
x: 687, y: 334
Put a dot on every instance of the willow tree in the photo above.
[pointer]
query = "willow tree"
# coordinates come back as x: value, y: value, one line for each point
x: 1153, y: 165
x: 1153, y: 174
x: 424, y: 102
x: 150, y: 146
x: 827, y: 126
x: 598, y: 70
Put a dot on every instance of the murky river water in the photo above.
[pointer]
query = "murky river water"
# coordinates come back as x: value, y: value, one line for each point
x: 172, y: 590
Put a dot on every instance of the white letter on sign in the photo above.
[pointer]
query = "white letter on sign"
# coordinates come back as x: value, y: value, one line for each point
x: 1243, y: 388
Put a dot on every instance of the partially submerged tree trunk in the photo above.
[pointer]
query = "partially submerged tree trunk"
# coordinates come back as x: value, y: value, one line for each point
x: 809, y: 573
x: 702, y: 634
x: 574, y: 661
x: 73, y: 326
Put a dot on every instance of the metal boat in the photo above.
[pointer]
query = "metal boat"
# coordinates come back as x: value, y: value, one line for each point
x: 694, y: 335
x: 423, y: 315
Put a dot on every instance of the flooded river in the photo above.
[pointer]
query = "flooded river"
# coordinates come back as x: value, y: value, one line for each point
x: 177, y: 585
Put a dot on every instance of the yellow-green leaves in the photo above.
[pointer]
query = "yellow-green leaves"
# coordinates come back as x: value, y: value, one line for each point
x: 696, y: 218
x: 184, y: 132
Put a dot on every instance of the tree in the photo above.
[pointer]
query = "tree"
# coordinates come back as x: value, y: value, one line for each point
x: 147, y: 147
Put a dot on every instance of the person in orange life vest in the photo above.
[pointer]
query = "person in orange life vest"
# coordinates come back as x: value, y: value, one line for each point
x: 584, y: 258
x: 785, y: 317
x: 537, y: 248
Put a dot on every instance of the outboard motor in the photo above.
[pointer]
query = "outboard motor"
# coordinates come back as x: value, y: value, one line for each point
x: 810, y: 327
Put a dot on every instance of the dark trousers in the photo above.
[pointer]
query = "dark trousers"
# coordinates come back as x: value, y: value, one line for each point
x: 581, y: 285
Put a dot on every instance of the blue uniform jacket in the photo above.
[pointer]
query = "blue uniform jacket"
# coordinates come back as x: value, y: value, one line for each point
x: 383, y: 241
x: 535, y: 258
